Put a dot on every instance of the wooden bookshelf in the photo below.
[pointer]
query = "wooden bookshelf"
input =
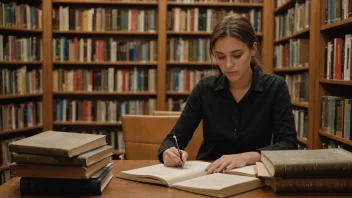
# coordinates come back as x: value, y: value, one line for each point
x: 4, y: 167
x: 300, y: 104
x: 177, y: 93
x: 2, y: 97
x: 291, y: 69
x: 335, y: 82
x: 285, y: 6
x: 17, y: 29
x: 302, y: 140
x: 296, y: 34
x: 21, y: 62
x: 220, y: 4
x: 196, y: 63
x: 337, y: 24
x: 106, y: 2
x: 200, y: 33
x: 87, y: 123
x: 310, y: 69
x: 104, y: 93
x: 326, y: 87
x: 21, y: 129
x: 336, y: 138
x: 118, y: 63
x: 105, y: 32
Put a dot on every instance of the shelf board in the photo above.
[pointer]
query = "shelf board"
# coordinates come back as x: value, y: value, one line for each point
x: 5, y: 167
x: 21, y: 129
x: 17, y: 29
x: 117, y: 152
x: 336, y: 82
x: 336, y: 24
x: 336, y: 138
x: 103, y: 93
x: 302, y: 140
x: 191, y: 63
x: 284, y: 6
x: 20, y: 96
x: 116, y: 32
x: 177, y: 93
x: 296, y: 34
x: 300, y: 104
x: 118, y: 63
x: 21, y: 62
x: 106, y: 2
x: 219, y: 4
x: 200, y: 33
x: 87, y: 123
x: 291, y: 69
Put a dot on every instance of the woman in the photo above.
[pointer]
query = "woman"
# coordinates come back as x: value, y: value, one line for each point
x: 242, y: 108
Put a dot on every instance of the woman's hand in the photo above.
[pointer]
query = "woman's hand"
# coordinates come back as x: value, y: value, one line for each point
x: 228, y: 162
x: 171, y: 157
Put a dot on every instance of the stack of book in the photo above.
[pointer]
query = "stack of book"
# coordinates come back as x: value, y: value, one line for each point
x: 306, y: 170
x: 62, y: 162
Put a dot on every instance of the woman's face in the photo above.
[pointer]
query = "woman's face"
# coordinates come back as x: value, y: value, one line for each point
x: 233, y: 57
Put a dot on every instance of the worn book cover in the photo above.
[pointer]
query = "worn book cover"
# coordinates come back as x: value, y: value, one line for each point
x: 57, y: 171
x: 56, y: 143
x: 85, y: 159
x: 296, y: 163
x: 94, y: 185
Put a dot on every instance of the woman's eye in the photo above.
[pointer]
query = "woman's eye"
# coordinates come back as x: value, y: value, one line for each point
x: 221, y: 57
x: 236, y: 56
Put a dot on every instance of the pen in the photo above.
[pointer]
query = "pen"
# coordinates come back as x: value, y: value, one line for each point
x: 178, y: 148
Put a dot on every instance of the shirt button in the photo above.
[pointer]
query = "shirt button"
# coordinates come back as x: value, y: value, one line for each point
x: 234, y: 133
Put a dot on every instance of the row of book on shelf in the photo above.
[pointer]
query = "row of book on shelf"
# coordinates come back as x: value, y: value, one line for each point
x: 20, y: 16
x: 22, y: 80
x: 295, y: 53
x: 104, y: 19
x: 301, y: 122
x: 199, y: 19
x: 337, y: 10
x: 338, y: 54
x: 110, y: 80
x: 295, y: 19
x: 14, y: 48
x: 336, y: 116
x: 218, y: 1
x: 21, y: 115
x: 100, y: 110
x: 88, y: 49
x: 298, y: 86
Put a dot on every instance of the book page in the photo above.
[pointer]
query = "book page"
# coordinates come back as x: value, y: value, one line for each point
x: 216, y: 181
x: 245, y: 171
x: 170, y: 175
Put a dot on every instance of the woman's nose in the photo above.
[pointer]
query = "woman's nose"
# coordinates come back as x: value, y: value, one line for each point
x: 229, y: 63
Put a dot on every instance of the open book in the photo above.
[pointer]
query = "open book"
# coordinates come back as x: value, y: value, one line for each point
x: 193, y: 178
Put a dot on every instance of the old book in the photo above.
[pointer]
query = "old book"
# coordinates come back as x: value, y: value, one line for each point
x: 94, y: 185
x: 55, y: 143
x: 84, y: 159
x: 309, y: 184
x: 298, y: 163
x: 57, y: 171
x: 175, y: 176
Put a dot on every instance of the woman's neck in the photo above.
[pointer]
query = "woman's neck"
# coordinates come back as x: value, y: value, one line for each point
x: 244, y: 82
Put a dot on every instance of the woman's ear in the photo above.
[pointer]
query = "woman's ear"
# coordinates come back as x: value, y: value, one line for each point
x: 254, y: 49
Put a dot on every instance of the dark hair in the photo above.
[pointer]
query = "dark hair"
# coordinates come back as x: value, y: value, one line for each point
x: 239, y: 27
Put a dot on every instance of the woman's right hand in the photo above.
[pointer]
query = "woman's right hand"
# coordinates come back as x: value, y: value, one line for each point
x: 171, y: 157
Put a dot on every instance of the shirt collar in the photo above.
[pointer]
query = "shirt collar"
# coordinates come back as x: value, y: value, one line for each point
x: 221, y: 81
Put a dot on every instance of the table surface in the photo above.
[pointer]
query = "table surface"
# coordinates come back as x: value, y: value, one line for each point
x: 125, y: 188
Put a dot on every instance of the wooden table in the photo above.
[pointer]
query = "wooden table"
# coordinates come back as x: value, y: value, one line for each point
x: 125, y: 188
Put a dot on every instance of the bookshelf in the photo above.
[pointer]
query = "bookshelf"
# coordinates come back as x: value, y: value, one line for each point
x: 331, y: 80
x: 183, y: 34
x: 298, y: 65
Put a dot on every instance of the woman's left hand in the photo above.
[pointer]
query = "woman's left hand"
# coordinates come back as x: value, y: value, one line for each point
x: 228, y: 162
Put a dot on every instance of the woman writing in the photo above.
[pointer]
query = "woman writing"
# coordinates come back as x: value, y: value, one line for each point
x: 242, y: 108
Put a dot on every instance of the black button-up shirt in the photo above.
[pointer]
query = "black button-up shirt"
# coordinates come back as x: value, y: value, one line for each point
x: 265, y: 111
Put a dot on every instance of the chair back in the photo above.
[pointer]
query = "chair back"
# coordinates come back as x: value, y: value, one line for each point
x: 143, y: 135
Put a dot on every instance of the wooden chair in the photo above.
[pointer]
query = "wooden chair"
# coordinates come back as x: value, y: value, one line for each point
x: 143, y: 135
x: 167, y: 113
